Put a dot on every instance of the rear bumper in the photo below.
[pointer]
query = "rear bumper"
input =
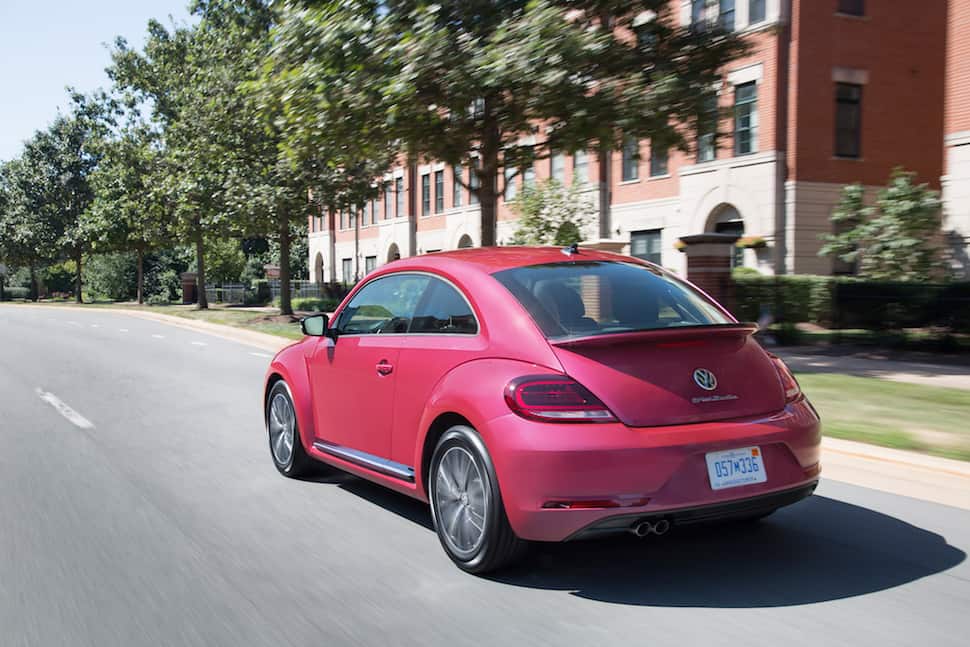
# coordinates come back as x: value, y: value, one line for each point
x: 655, y: 472
x: 750, y: 507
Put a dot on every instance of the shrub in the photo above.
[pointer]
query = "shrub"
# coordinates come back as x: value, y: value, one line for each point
x: 15, y: 293
x: 158, y: 299
x: 315, y: 305
x: 787, y: 298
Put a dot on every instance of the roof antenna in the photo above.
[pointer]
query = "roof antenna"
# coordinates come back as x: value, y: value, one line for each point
x: 572, y: 249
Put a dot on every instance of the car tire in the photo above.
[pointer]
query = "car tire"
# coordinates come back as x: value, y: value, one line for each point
x: 285, y: 447
x: 498, y: 545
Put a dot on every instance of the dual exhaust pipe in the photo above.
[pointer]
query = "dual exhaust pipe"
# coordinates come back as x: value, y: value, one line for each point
x: 644, y: 528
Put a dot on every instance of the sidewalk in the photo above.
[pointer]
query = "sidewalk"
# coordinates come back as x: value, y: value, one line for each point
x: 953, y: 374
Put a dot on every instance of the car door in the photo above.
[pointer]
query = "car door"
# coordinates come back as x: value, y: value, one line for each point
x: 353, y: 375
x: 444, y: 333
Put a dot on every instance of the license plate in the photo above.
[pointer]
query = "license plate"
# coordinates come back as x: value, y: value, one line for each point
x: 736, y: 467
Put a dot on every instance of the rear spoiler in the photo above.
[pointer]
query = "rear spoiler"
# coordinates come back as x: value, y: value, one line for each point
x: 661, y: 335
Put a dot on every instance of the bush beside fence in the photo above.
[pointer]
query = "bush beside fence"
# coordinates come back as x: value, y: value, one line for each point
x: 846, y: 303
x: 15, y: 293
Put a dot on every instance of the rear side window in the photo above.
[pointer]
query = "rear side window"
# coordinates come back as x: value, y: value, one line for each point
x: 383, y: 306
x: 578, y: 299
x: 443, y: 310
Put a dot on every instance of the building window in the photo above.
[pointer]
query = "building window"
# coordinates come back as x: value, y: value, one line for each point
x: 399, y: 209
x: 848, y: 120
x: 557, y: 167
x: 388, y: 193
x: 529, y: 177
x: 645, y: 245
x: 707, y: 130
x: 580, y: 167
x: 631, y: 159
x: 852, y: 7
x: 343, y: 219
x: 347, y: 265
x: 745, y: 118
x: 658, y: 160
x: 370, y: 264
x: 425, y: 194
x: 373, y: 211
x: 698, y: 12
x: 439, y: 191
x: 726, y: 15
x: 473, y: 181
x: 510, y: 188
x: 756, y: 11
x: 456, y: 187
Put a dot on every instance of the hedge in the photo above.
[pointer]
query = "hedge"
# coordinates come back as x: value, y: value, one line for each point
x: 847, y: 303
x: 15, y: 293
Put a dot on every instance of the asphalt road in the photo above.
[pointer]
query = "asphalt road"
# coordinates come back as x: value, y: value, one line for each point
x: 163, y: 522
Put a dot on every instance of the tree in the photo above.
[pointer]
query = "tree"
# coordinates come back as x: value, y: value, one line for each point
x: 128, y: 213
x: 167, y: 80
x: 551, y: 214
x: 898, y: 238
x: 493, y: 85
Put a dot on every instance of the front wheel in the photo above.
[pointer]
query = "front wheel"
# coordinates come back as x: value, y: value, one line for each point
x: 285, y: 446
x: 466, y: 505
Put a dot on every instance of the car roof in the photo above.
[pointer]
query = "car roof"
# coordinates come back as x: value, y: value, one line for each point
x: 496, y: 259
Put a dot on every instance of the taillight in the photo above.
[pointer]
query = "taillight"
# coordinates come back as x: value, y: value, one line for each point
x: 788, y: 381
x: 555, y: 398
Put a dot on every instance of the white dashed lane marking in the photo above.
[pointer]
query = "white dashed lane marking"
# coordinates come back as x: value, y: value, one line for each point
x: 199, y: 343
x: 70, y: 414
x: 261, y: 355
x: 95, y: 325
x: 122, y: 330
x: 159, y: 336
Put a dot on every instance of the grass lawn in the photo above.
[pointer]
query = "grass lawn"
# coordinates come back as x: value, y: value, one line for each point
x: 923, y: 418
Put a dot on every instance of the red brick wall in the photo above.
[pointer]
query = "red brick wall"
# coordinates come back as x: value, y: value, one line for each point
x: 958, y: 67
x: 901, y: 45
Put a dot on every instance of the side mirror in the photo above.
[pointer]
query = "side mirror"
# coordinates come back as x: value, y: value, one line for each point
x: 314, y: 325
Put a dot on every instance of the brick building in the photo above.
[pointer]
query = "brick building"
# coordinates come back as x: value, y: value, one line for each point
x: 956, y: 181
x: 831, y: 92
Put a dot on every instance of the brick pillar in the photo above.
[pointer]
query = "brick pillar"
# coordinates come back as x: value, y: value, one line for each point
x: 189, y: 294
x: 709, y: 265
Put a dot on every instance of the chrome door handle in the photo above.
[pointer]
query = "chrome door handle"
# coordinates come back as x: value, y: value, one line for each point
x: 384, y: 367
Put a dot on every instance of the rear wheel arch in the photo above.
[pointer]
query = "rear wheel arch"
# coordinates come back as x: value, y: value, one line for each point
x: 442, y: 423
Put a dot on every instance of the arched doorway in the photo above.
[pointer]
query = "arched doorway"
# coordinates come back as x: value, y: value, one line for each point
x: 393, y: 253
x: 465, y: 242
x: 318, y: 268
x: 726, y: 219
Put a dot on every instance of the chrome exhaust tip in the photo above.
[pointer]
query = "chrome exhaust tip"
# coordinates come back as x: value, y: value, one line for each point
x: 661, y: 527
x: 642, y: 529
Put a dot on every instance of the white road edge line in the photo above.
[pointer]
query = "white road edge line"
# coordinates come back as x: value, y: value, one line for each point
x: 261, y: 355
x: 72, y: 416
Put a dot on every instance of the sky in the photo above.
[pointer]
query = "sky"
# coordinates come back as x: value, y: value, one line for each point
x: 46, y: 45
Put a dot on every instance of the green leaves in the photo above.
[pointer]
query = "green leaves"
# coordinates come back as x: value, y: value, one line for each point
x: 551, y: 214
x: 897, y: 238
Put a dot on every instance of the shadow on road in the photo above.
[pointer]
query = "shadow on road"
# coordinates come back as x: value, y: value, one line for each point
x: 815, y: 551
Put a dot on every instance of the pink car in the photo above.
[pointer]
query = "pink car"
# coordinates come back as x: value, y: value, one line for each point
x: 539, y: 394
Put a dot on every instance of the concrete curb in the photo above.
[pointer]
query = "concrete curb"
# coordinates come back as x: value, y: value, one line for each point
x: 940, y: 480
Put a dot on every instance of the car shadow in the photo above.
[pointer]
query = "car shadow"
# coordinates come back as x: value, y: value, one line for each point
x: 818, y: 550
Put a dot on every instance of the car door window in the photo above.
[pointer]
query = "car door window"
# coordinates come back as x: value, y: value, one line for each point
x: 384, y: 306
x: 443, y: 310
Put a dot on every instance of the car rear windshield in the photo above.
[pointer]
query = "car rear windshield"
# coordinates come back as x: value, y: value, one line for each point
x: 584, y: 298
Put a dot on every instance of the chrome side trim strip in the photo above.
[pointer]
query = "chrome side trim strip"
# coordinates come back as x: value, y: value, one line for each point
x: 376, y: 463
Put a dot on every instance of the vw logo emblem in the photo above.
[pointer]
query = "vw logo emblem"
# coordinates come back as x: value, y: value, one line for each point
x: 705, y: 379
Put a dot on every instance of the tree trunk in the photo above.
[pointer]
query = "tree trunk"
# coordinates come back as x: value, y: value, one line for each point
x: 603, y: 175
x: 286, y: 305
x: 141, y: 276
x: 77, y: 280
x: 33, y: 283
x: 203, y: 301
x: 488, y: 179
